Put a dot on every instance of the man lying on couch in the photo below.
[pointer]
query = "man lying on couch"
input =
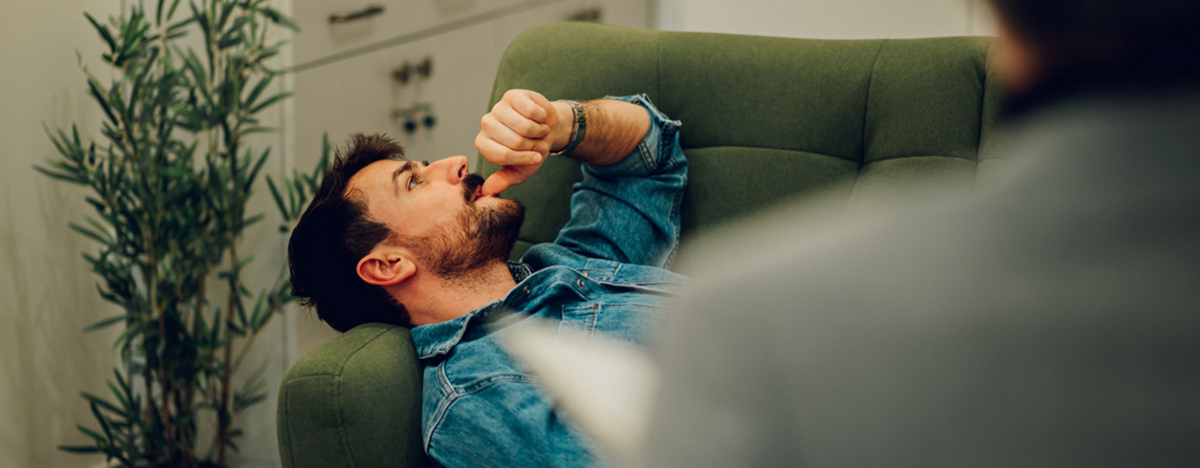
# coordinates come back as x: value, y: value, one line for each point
x: 425, y: 245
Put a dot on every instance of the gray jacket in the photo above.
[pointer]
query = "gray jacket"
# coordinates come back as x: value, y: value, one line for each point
x: 1053, y: 321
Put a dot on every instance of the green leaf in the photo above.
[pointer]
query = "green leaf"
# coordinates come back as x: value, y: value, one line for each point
x: 253, y: 174
x: 101, y: 98
x: 258, y: 305
x: 326, y: 150
x: 103, y: 421
x: 103, y: 238
x: 103, y: 30
x: 227, y: 8
x: 96, y: 203
x: 245, y: 261
x: 253, y: 219
x: 121, y: 398
x: 241, y: 315
x: 258, y: 89
x: 60, y: 176
x: 102, y: 403
x: 130, y: 331
x: 231, y: 38
x: 278, y: 18
x: 171, y: 11
x: 292, y: 198
x: 271, y: 100
x: 253, y: 130
x: 93, y: 434
x: 216, y: 327
x: 61, y: 143
x: 108, y: 322
x: 287, y: 215
x: 79, y: 448
x: 177, y: 26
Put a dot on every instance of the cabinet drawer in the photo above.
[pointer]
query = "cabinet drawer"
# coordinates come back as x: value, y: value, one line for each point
x: 365, y: 22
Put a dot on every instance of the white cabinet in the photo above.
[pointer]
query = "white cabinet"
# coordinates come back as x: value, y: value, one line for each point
x: 365, y: 22
x: 359, y: 93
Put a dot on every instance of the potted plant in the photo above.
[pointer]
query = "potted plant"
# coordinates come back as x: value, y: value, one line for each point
x: 170, y: 176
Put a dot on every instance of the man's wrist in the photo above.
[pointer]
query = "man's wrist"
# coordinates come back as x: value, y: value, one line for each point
x: 566, y: 128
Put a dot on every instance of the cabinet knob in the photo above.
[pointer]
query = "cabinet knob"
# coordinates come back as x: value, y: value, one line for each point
x: 373, y: 10
x: 402, y: 73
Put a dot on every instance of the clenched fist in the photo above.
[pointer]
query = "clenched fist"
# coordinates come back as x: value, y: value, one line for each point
x: 517, y: 135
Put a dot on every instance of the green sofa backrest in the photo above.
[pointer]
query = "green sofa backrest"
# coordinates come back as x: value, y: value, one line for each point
x: 768, y: 119
x: 764, y: 120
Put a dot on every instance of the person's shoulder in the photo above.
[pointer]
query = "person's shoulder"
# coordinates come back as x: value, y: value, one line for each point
x: 549, y: 254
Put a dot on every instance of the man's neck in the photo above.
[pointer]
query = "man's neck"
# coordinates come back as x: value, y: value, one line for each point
x: 447, y: 299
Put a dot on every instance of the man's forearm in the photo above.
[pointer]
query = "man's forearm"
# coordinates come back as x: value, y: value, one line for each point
x: 614, y: 129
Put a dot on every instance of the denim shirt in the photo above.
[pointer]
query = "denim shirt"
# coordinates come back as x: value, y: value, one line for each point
x: 603, y: 274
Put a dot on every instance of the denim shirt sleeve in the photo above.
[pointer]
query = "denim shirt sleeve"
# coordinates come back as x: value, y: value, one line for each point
x: 475, y: 431
x: 628, y: 211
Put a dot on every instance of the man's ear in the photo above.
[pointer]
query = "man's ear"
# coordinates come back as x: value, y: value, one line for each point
x: 385, y: 266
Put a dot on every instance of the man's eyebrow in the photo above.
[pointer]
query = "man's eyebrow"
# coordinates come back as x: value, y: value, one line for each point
x: 407, y: 166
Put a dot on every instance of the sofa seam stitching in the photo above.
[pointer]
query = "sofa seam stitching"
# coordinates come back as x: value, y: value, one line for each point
x: 337, y: 401
x: 342, y: 367
x: 862, y: 162
x: 818, y: 153
x: 287, y: 433
x: 982, y: 109
x: 918, y: 155
x: 867, y: 102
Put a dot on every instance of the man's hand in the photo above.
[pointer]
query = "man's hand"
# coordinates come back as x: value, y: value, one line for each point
x: 517, y: 135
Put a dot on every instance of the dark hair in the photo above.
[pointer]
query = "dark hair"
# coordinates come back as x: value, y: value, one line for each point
x: 333, y: 234
x: 1096, y: 41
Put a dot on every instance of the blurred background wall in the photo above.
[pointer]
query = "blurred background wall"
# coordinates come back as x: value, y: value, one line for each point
x: 345, y: 79
x: 828, y: 19
x: 46, y: 290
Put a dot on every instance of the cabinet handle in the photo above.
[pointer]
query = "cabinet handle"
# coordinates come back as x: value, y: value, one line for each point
x: 373, y: 10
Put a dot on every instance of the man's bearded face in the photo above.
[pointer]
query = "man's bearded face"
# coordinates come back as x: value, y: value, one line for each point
x: 476, y: 236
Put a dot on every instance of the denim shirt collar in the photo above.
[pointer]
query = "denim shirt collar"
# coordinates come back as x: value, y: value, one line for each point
x: 439, y: 338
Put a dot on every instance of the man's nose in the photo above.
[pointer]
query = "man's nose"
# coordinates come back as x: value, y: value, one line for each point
x: 454, y: 167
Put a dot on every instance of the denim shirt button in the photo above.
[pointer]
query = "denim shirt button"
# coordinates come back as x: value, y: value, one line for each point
x: 526, y: 289
x: 579, y: 283
x: 585, y: 274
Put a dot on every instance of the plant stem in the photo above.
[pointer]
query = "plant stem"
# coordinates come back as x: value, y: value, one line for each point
x: 223, y: 414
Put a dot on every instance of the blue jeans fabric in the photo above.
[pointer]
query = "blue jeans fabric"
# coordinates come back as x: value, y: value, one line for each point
x: 605, y: 273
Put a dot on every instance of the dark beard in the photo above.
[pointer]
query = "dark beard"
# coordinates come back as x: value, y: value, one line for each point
x: 476, y: 238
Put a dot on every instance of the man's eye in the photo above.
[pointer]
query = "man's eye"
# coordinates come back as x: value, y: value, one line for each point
x: 412, y: 182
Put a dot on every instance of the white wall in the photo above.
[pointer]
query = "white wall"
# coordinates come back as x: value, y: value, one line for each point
x: 828, y: 19
x: 46, y: 289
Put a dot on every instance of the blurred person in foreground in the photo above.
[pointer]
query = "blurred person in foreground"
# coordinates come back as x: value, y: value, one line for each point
x: 424, y: 245
x: 1053, y: 321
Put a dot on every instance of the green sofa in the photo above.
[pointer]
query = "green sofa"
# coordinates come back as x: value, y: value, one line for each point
x: 764, y: 120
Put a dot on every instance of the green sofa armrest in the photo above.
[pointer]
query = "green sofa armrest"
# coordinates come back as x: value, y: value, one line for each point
x: 354, y: 402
